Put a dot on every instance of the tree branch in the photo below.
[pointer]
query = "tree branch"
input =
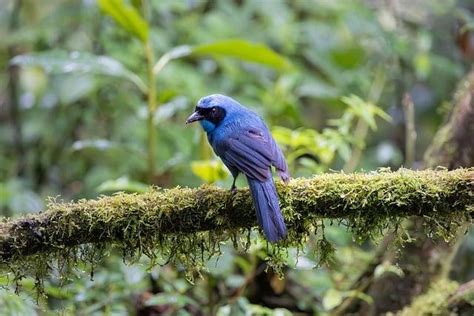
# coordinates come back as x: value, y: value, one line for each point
x: 364, y: 201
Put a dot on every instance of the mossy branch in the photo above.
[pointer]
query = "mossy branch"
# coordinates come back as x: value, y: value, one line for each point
x: 168, y: 219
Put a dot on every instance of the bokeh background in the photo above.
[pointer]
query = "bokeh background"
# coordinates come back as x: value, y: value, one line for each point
x: 84, y: 112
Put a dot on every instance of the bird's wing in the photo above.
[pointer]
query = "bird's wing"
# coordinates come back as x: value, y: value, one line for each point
x: 279, y: 162
x: 250, y: 151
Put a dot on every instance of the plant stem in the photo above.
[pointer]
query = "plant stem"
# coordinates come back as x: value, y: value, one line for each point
x: 151, y: 98
x: 410, y: 132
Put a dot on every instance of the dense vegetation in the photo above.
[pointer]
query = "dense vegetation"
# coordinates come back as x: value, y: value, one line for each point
x: 93, y: 101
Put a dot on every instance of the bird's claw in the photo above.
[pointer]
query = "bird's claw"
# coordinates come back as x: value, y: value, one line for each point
x: 233, y: 190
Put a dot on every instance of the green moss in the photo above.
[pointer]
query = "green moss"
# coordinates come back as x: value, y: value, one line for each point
x: 434, y: 302
x: 187, y: 226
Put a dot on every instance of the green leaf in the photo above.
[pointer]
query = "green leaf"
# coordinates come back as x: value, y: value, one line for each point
x: 316, y: 88
x: 244, y: 50
x: 237, y: 48
x: 300, y: 142
x: 126, y: 16
x: 171, y: 299
x: 423, y: 65
x: 19, y: 199
x: 122, y: 184
x: 16, y: 303
x: 386, y: 267
x: 361, y: 109
x: 332, y: 298
x: 175, y: 53
x: 26, y: 202
x: 380, y: 113
x: 72, y: 88
x: 365, y: 110
x: 97, y: 144
x: 61, y: 62
x: 209, y: 170
x: 104, y: 150
x: 348, y: 57
x: 138, y: 4
x: 361, y: 295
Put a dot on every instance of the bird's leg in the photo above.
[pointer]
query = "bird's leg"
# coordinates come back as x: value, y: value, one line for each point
x: 233, y: 188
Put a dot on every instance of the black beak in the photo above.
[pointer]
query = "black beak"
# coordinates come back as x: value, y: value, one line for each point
x: 194, y: 117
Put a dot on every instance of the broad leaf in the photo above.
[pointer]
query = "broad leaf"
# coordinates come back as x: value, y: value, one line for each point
x: 95, y: 147
x: 332, y: 298
x: 61, y: 62
x: 123, y: 184
x: 96, y: 144
x: 316, y: 88
x: 72, y: 88
x: 237, y: 48
x: 244, y: 50
x: 126, y: 16
x: 174, y: 53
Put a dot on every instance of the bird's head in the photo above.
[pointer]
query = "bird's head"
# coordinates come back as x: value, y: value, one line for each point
x: 212, y: 110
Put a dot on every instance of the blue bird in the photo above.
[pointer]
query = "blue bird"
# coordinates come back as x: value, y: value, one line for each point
x: 244, y: 143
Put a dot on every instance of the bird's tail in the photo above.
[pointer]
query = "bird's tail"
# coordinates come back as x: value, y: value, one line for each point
x: 265, y: 200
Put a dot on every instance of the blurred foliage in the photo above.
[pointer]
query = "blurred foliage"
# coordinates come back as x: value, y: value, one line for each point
x: 95, y: 94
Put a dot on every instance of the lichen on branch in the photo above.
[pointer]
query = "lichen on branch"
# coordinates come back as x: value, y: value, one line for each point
x: 188, y: 225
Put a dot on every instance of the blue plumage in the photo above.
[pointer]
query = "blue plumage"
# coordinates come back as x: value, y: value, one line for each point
x: 243, y: 142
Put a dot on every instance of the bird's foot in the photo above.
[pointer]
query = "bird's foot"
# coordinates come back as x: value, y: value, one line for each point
x: 233, y: 190
x: 284, y: 176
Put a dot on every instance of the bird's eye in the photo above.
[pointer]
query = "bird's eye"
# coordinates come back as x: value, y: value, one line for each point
x: 214, y: 109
